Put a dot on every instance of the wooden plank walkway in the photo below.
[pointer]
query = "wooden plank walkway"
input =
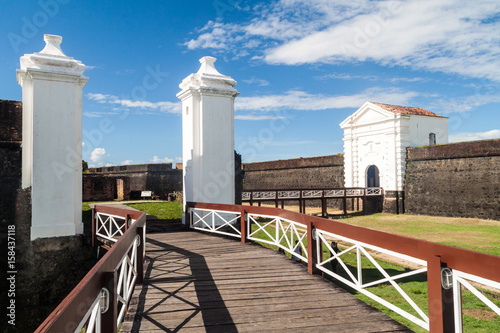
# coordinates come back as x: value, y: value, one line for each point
x: 197, y: 282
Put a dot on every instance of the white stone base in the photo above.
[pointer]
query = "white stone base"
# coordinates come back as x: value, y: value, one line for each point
x: 57, y: 230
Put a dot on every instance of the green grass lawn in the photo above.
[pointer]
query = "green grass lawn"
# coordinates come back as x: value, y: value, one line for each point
x: 477, y: 317
x: 467, y: 233
x: 162, y: 210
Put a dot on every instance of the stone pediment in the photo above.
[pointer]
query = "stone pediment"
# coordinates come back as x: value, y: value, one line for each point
x: 367, y: 114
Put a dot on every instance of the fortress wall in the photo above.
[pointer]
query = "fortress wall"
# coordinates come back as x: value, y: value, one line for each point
x: 459, y: 179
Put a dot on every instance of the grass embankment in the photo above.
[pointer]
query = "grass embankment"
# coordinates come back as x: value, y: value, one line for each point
x: 466, y: 233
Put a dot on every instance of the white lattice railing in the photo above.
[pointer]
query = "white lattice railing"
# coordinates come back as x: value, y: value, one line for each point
x: 110, y: 227
x: 288, y: 194
x: 465, y: 280
x: 373, y: 191
x: 264, y: 195
x: 215, y: 221
x: 334, y: 193
x: 312, y: 194
x: 285, y: 234
x: 355, y: 280
x: 364, y: 261
x: 127, y: 275
x: 92, y: 319
x: 309, y: 194
x: 355, y: 192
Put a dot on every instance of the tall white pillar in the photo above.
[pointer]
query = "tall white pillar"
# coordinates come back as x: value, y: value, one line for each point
x: 52, y: 139
x: 208, y: 134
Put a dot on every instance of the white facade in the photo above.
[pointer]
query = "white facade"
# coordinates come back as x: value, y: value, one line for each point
x: 374, y: 136
x: 208, y: 135
x: 52, y: 139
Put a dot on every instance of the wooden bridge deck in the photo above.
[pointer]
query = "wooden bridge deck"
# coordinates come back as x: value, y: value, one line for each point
x: 197, y: 282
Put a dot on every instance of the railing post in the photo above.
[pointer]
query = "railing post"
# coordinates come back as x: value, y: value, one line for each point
x: 140, y: 256
x: 323, y: 204
x: 364, y: 201
x: 109, y: 318
x: 94, y: 228
x: 311, y: 250
x: 127, y: 218
x: 243, y: 226
x: 440, y: 300
x: 344, y: 202
x: 187, y: 217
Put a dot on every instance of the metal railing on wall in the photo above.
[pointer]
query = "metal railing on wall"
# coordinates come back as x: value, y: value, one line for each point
x: 447, y: 269
x: 99, y: 302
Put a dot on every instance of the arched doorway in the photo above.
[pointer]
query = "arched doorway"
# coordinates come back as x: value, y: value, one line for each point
x: 372, y: 176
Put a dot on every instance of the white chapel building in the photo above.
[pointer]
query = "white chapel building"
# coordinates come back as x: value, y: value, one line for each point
x: 375, y: 140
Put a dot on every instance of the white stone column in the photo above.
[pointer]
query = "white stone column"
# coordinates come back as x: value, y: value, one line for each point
x: 208, y: 135
x: 52, y: 139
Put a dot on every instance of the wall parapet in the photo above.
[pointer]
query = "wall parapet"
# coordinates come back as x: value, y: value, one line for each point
x: 296, y: 163
x: 133, y: 168
x: 483, y: 148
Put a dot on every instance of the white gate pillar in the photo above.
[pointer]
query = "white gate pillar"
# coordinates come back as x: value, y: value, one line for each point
x: 208, y: 135
x: 52, y: 139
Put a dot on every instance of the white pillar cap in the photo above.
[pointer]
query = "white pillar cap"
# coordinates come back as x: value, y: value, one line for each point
x: 208, y: 80
x: 51, y: 60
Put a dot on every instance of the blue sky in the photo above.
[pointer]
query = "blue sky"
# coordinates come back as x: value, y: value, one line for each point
x: 302, y: 67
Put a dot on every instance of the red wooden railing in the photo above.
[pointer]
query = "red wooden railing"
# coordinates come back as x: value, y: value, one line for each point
x: 437, y: 256
x: 72, y: 310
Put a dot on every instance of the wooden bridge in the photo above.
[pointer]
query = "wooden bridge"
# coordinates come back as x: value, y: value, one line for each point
x: 196, y: 282
x: 207, y: 282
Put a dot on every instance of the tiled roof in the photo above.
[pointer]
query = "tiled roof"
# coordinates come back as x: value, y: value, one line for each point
x: 407, y: 110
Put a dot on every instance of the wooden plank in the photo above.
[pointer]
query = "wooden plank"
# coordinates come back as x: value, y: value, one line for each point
x: 199, y: 283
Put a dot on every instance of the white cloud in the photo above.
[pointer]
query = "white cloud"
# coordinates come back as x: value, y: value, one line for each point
x: 485, y: 94
x: 220, y: 35
x: 468, y: 136
x: 448, y: 36
x: 256, y: 117
x: 254, y: 80
x: 167, y: 107
x: 345, y: 76
x: 451, y: 36
x: 126, y: 162
x: 300, y: 100
x: 99, y: 156
x: 157, y: 159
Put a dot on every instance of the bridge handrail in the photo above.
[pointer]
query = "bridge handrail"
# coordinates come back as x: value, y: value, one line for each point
x: 108, y: 273
x: 466, y: 263
x: 302, y: 193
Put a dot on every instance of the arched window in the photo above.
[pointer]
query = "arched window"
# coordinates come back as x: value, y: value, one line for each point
x: 432, y: 139
x: 372, y: 176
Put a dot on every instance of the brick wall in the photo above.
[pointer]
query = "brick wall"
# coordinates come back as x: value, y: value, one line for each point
x: 460, y: 179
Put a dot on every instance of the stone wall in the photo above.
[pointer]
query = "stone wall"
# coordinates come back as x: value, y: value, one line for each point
x: 312, y: 172
x: 460, y: 179
x: 161, y: 179
x: 98, y: 187
x: 10, y: 181
x: 47, y: 269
